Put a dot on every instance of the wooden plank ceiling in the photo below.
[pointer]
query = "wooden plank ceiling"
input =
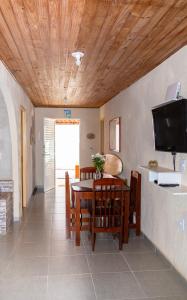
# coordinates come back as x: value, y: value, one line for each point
x: 122, y: 41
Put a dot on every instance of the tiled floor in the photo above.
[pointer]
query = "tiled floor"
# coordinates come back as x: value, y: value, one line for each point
x: 38, y: 263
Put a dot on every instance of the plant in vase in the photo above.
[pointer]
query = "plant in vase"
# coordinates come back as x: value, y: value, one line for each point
x: 98, y: 162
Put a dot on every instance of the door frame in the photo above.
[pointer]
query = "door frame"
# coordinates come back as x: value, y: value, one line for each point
x: 23, y: 157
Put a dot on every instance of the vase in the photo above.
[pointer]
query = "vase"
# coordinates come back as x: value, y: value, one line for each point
x: 98, y: 174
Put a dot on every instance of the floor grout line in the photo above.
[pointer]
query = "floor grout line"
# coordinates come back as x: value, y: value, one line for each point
x: 89, y: 268
x: 137, y: 281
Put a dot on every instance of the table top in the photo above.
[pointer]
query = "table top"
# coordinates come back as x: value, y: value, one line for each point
x: 87, y: 186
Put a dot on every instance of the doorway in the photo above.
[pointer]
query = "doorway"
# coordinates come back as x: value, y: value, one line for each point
x: 67, y: 148
x: 23, y: 159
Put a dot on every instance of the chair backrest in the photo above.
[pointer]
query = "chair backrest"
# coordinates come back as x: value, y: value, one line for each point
x: 87, y: 173
x: 135, y: 190
x: 67, y: 192
x: 107, y: 205
x: 113, y: 164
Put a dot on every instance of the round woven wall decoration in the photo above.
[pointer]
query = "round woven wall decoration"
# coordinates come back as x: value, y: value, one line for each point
x: 90, y: 136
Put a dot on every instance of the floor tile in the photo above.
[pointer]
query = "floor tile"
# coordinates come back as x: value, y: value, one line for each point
x: 58, y: 235
x: 146, y: 261
x: 162, y: 283
x: 132, y: 235
x: 160, y: 298
x: 37, y: 262
x: 105, y: 246
x: 10, y: 236
x: 3, y: 266
x: 104, y: 236
x: 70, y: 264
x: 30, y: 236
x: 138, y: 245
x: 6, y: 249
x: 39, y: 249
x: 39, y: 218
x: 58, y: 225
x: 58, y: 217
x: 23, y: 288
x: 66, y: 247
x: 41, y: 226
x: 70, y: 288
x: 106, y: 263
x: 116, y: 286
x: 28, y: 266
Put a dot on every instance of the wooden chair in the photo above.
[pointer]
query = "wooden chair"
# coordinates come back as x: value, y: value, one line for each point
x: 87, y: 173
x: 135, y: 202
x: 107, y: 208
x: 71, y: 213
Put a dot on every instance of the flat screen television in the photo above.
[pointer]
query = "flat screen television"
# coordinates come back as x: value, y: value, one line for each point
x: 170, y: 126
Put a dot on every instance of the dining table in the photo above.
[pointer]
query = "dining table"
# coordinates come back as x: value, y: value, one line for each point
x: 83, y: 190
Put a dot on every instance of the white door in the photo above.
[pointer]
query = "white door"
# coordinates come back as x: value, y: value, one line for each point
x: 49, y: 154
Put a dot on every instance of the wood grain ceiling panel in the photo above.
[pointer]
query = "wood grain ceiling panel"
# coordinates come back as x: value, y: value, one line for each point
x: 122, y: 41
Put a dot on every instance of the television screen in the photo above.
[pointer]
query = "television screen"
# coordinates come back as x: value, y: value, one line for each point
x: 170, y: 126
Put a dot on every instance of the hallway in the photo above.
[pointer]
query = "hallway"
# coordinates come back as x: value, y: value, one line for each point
x: 38, y: 263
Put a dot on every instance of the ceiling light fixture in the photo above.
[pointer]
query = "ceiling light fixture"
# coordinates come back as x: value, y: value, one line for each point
x: 77, y: 55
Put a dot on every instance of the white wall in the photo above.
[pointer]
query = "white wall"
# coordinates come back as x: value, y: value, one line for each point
x: 5, y: 143
x: 14, y: 97
x: 134, y: 105
x: 89, y: 122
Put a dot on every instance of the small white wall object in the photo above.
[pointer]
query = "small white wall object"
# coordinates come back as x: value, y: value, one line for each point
x: 173, y: 91
x: 165, y: 177
x: 182, y: 165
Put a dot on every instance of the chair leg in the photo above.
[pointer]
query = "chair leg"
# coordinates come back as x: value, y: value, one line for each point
x: 68, y: 233
x: 120, y: 241
x: 114, y: 236
x: 138, y: 231
x: 90, y: 228
x: 93, y: 240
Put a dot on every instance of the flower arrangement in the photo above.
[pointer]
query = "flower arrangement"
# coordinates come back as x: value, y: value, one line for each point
x: 98, y: 161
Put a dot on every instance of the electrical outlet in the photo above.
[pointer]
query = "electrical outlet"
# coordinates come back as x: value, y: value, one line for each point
x: 182, y: 225
x: 182, y: 165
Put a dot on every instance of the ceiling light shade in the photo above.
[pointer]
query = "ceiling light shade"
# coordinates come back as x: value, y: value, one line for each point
x: 77, y: 55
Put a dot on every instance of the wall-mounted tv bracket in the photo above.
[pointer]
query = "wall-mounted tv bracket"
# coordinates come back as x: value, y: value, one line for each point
x: 174, y: 159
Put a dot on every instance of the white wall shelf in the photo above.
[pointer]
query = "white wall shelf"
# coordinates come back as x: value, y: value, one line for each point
x: 164, y: 175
